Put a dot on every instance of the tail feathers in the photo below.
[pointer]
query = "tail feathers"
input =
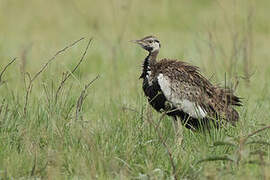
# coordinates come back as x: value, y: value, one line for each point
x: 227, y: 97
x: 226, y: 100
x: 233, y: 100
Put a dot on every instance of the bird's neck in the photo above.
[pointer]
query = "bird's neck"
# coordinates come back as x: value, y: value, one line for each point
x: 149, y: 63
x: 152, y: 58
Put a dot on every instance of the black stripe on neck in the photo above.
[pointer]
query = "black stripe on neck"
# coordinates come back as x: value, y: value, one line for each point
x: 145, y: 67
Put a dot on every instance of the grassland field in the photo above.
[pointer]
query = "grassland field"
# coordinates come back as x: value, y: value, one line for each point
x: 107, y: 130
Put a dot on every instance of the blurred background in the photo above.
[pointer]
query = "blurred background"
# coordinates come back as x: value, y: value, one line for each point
x: 217, y: 36
x: 220, y: 37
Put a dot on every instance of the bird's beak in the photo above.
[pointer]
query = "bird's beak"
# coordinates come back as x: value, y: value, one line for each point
x: 140, y: 42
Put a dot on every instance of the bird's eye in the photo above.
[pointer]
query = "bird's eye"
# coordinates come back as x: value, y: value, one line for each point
x: 150, y: 41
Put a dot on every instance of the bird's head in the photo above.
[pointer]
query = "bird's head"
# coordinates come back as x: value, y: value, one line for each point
x: 149, y: 43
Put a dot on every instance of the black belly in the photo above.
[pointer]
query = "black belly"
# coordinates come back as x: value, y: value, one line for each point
x: 158, y: 102
x: 154, y: 95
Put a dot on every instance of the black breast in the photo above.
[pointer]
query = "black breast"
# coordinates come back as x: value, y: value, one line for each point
x: 154, y: 94
x: 157, y: 99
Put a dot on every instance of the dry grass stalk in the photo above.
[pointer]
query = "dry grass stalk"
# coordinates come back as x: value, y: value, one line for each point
x: 248, y: 48
x: 2, y: 105
x: 253, y: 133
x: 66, y: 76
x: 82, y: 97
x: 31, y: 80
x: 4, y: 70
x: 124, y: 108
x: 169, y: 152
x: 243, y: 141
x: 241, y: 48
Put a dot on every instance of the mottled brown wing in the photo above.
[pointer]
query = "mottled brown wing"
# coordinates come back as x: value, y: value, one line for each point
x: 183, y: 87
x: 185, y: 83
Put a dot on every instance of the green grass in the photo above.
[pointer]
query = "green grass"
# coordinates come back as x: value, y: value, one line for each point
x: 112, y: 137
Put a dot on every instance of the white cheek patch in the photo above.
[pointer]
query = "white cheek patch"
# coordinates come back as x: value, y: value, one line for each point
x: 185, y: 105
x: 155, y: 46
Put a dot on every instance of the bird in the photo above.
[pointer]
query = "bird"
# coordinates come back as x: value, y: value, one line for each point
x: 183, y: 93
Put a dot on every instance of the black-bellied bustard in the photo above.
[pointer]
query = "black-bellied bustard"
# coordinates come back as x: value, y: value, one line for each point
x: 179, y: 89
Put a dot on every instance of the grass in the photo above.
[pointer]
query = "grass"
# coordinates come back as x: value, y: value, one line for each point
x: 110, y: 133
